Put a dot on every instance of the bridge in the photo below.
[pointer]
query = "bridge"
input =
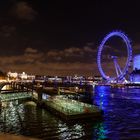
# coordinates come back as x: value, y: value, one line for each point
x: 15, y: 96
x: 21, y: 90
x: 14, y: 91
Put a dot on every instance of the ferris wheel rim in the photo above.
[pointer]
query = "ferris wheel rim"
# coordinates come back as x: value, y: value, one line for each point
x: 129, y: 54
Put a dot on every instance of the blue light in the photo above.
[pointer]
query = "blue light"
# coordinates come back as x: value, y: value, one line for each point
x: 129, y: 58
x: 136, y: 62
x: 45, y: 96
x: 100, y: 97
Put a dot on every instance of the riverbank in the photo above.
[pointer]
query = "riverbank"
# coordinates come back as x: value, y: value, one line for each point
x: 14, y: 137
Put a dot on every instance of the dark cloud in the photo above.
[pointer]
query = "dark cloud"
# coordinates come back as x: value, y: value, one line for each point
x: 60, y: 38
x: 22, y: 10
x: 136, y: 49
x: 72, y: 54
x: 31, y: 50
x: 7, y: 31
x: 34, y: 61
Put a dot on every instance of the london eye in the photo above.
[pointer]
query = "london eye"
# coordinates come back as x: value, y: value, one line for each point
x: 114, y: 56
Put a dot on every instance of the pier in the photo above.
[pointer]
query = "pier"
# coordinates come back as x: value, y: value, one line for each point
x: 14, y: 91
x: 15, y: 96
x: 65, y: 108
x: 71, y: 109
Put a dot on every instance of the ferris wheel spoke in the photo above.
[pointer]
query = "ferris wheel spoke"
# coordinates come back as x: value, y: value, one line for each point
x: 116, y: 68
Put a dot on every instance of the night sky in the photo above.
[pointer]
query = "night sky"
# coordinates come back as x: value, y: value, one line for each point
x: 61, y: 37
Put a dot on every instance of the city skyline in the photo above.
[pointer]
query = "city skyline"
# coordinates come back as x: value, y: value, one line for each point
x: 61, y: 38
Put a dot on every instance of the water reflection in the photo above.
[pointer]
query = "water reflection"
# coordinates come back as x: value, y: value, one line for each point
x: 121, y: 111
x: 99, y: 132
x: 120, y: 120
x: 10, y: 117
x: 25, y: 118
x: 100, y: 98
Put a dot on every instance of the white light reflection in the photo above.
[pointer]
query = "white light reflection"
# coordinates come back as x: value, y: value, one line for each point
x: 71, y: 132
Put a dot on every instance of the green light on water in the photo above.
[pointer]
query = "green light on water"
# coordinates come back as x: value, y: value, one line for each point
x: 99, y: 131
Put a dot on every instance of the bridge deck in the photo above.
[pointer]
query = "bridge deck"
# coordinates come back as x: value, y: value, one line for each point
x: 15, y: 96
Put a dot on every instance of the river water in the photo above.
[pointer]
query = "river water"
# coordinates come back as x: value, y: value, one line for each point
x: 121, y: 119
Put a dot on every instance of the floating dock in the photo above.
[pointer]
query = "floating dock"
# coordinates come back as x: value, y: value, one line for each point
x: 71, y: 109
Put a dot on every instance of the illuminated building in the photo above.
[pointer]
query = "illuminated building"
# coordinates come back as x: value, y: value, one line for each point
x: 23, y: 76
x: 136, y: 62
x: 135, y: 75
x: 12, y: 74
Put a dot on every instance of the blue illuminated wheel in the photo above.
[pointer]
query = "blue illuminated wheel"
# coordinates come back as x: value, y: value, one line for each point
x: 116, y: 59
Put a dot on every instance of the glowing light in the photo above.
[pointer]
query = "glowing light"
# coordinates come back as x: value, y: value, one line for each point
x: 129, y: 52
x: 136, y: 62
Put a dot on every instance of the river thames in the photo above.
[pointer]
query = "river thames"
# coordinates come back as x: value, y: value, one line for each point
x: 121, y: 118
